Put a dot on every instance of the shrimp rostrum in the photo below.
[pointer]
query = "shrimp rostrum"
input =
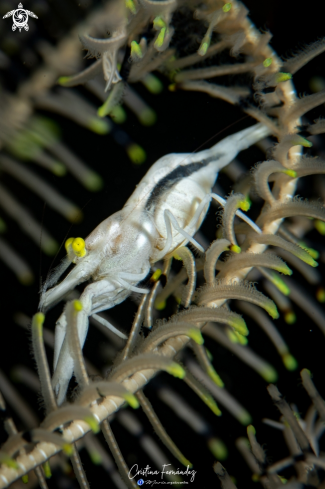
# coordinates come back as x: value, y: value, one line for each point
x: 164, y: 213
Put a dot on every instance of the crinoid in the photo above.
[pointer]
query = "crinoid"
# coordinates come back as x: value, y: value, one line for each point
x: 196, y: 53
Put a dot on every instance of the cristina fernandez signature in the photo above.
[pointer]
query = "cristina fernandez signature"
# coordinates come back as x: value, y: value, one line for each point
x: 135, y: 471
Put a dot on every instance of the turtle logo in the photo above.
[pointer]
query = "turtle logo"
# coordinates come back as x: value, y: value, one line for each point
x: 20, y: 18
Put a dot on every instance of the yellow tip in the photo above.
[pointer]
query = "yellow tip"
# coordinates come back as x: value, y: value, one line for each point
x: 289, y: 362
x: 269, y: 374
x: 67, y: 449
x: 77, y: 306
x: 281, y: 77
x: 148, y: 117
x: 251, y: 430
x: 136, y: 50
x: 320, y: 226
x: 195, y: 335
x: 25, y: 479
x: 267, y: 62
x: 63, y: 80
x: 160, y: 306
x: 47, y: 470
x: 218, y: 448
x: 290, y: 317
x: 131, y: 6
x: 38, y: 319
x: 245, y: 205
x: 99, y: 126
x: 136, y: 154
x: 176, y: 370
x: 215, y: 377
x: 239, y: 325
x: 92, y: 181
x: 226, y: 7
x: 93, y: 424
x: 161, y: 37
x: 320, y: 294
x: 235, y: 248
x: 291, y: 173
x: 131, y: 400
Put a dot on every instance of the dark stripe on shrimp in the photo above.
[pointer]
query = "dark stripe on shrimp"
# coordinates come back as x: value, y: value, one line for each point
x: 175, y: 176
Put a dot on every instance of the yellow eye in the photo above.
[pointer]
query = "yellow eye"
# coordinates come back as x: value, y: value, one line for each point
x: 76, y: 248
x: 79, y: 247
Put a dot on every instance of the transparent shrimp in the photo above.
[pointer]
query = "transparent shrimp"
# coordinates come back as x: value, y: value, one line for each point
x: 165, y: 211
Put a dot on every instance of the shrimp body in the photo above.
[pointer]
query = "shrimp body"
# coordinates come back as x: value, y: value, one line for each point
x: 163, y: 213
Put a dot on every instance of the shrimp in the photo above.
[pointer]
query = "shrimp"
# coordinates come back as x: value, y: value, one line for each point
x: 164, y: 212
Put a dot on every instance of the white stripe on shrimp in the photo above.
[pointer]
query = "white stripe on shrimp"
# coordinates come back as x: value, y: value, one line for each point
x: 163, y: 213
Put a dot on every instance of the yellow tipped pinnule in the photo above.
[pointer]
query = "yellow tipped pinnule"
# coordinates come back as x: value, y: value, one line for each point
x: 161, y: 37
x: 235, y: 248
x: 136, y: 51
x: 290, y: 317
x: 251, y: 430
x: 93, y: 424
x: 136, y: 154
x: 215, y: 377
x: 8, y: 461
x: 283, y: 268
x: 148, y: 117
x: 160, y: 306
x: 218, y: 448
x: 92, y: 181
x: 289, y: 362
x: 152, y: 83
x: 131, y: 400
x: 131, y: 6
x: 38, y: 319
x: 67, y: 449
x: 290, y: 173
x: 79, y: 247
x: 99, y: 126
x: 204, y: 45
x: 269, y: 374
x: 63, y: 80
x: 226, y: 7
x: 320, y: 295
x: 77, y: 306
x: 300, y: 141
x: 47, y: 470
x: 272, y: 310
x: 244, y: 205
x: 281, y: 77
x: 156, y: 275
x: 239, y: 325
x: 242, y: 340
x: 267, y: 62
x: 320, y: 226
x: 279, y: 283
x: 95, y: 457
x: 25, y: 479
x: 176, y: 370
x: 313, y: 253
x: 195, y: 335
x: 244, y: 417
x: 159, y: 23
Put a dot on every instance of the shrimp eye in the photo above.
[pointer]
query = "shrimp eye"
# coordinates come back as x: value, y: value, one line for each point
x: 79, y: 247
x: 76, y: 248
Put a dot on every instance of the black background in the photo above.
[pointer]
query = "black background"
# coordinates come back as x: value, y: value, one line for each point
x: 185, y: 122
